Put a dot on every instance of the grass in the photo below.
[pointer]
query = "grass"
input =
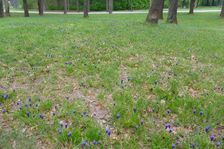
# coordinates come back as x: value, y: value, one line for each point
x: 72, y: 67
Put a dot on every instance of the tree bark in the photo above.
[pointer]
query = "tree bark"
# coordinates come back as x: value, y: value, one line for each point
x: 107, y: 5
x: 1, y: 9
x: 7, y: 8
x: 192, y: 5
x: 65, y: 6
x: 161, y: 10
x: 86, y: 12
x: 77, y: 5
x: 110, y: 6
x: 26, y: 9
x: 222, y: 11
x: 41, y: 7
x: 172, y: 13
x: 154, y: 11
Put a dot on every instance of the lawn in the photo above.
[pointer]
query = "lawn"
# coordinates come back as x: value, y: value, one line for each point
x: 111, y: 81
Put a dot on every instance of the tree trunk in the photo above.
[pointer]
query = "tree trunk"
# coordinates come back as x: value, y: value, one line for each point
x: 1, y: 9
x: 110, y: 6
x: 154, y: 12
x: 107, y: 5
x: 7, y: 8
x: 161, y: 10
x: 26, y: 9
x: 77, y: 5
x: 192, y: 5
x: 41, y: 7
x: 222, y: 12
x: 172, y: 13
x: 86, y: 12
x: 65, y: 6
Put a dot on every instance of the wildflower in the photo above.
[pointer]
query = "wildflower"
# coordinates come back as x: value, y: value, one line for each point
x: 28, y: 114
x: 94, y: 142
x: 168, y: 111
x: 134, y: 109
x: 207, y: 129
x: 5, y: 96
x: 212, y: 137
x: 118, y: 115
x: 218, y: 144
x: 167, y: 126
x: 41, y: 116
x: 173, y: 146
x: 201, y: 113
x: 83, y: 143
x: 69, y: 134
x: 194, y: 111
x: 29, y: 99
x: 142, y: 121
x: 59, y: 130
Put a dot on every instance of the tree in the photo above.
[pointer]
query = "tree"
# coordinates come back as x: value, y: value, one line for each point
x: 26, y: 9
x: 77, y: 5
x: 192, y: 5
x: 172, y: 13
x: 154, y: 11
x: 86, y: 8
x: 7, y: 8
x: 65, y: 6
x: 222, y: 12
x: 161, y: 10
x: 107, y: 5
x: 110, y: 6
x: 41, y: 7
x: 1, y: 9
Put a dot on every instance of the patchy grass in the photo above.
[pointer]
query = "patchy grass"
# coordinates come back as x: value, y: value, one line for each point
x: 113, y: 80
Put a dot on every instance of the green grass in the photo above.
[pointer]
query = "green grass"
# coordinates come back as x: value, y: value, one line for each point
x: 121, y: 63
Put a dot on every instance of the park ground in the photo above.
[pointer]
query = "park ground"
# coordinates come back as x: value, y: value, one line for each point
x: 111, y: 81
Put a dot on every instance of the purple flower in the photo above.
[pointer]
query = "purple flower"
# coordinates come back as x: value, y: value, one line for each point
x: 59, y: 130
x: 193, y: 146
x: 167, y: 126
x: 201, y: 113
x: 68, y: 63
x: 136, y: 126
x: 53, y: 114
x: 168, y: 111
x: 173, y: 146
x: 41, y: 116
x: 3, y: 110
x: 83, y: 143
x: 66, y: 125
x: 69, y: 134
x: 29, y: 99
x: 142, y: 121
x: 218, y: 144
x: 212, y: 137
x: 222, y: 138
x: 5, y: 96
x: 94, y: 142
x: 194, y: 111
x: 134, y: 109
x: 207, y: 129
x: 108, y: 133
x: 118, y: 115
x: 28, y: 114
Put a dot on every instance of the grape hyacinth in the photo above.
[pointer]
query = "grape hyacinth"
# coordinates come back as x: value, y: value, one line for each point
x: 5, y: 96
x: 94, y: 142
x: 118, y: 115
x: 207, y: 129
x: 69, y: 134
